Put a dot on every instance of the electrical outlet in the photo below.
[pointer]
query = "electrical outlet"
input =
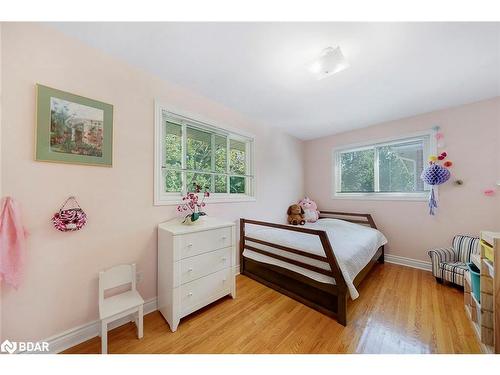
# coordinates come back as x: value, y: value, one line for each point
x: 139, y: 277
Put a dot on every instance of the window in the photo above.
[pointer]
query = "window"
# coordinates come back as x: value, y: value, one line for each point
x: 192, y: 152
x: 385, y: 170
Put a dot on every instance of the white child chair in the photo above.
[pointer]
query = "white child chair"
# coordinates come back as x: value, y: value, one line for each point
x: 120, y: 305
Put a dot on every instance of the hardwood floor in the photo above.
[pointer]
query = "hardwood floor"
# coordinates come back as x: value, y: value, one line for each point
x: 400, y: 310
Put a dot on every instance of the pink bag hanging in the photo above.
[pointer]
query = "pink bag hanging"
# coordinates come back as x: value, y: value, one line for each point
x: 71, y: 219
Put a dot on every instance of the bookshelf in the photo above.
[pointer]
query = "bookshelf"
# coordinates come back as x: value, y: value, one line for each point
x: 485, y: 313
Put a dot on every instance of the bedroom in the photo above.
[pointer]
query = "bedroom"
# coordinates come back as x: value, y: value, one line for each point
x: 264, y: 187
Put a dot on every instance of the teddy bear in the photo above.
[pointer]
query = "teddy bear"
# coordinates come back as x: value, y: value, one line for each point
x: 310, y: 209
x: 295, y: 215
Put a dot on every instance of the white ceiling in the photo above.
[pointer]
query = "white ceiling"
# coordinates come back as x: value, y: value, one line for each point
x: 260, y: 69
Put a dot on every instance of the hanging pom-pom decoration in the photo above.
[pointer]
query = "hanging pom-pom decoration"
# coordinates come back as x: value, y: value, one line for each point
x: 436, y: 174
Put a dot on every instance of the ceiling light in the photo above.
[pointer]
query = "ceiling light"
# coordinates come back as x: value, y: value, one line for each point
x: 330, y: 62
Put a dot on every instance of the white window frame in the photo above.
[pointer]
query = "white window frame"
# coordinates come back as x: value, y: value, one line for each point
x: 431, y: 149
x: 162, y: 198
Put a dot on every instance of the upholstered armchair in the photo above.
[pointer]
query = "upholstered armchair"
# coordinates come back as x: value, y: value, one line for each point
x: 450, y: 263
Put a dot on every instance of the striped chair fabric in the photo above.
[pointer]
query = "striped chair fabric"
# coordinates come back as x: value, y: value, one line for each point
x: 449, y: 263
x: 465, y: 246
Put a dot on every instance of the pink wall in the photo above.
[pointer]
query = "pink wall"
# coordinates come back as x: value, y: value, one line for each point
x: 60, y: 288
x: 1, y: 163
x: 472, y: 135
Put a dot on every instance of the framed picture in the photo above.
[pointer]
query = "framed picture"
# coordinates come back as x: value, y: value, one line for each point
x: 73, y: 129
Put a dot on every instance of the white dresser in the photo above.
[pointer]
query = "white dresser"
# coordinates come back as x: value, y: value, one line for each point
x: 196, y: 266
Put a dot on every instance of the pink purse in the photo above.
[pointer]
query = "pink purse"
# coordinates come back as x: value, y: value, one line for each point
x: 71, y: 219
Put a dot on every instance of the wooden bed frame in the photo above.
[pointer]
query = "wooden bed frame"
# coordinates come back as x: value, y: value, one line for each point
x: 327, y: 298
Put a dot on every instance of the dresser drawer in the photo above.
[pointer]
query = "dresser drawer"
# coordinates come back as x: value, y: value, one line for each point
x: 203, y: 291
x: 201, y: 242
x: 201, y: 265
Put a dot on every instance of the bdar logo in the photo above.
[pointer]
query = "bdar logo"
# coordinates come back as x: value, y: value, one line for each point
x: 8, y: 347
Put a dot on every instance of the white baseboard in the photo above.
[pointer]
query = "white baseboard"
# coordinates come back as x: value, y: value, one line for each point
x: 409, y: 262
x: 77, y: 335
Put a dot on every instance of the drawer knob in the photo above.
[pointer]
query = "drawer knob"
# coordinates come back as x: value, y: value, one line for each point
x: 190, y: 245
x: 224, y: 259
x: 224, y: 237
x: 190, y: 294
x: 190, y: 270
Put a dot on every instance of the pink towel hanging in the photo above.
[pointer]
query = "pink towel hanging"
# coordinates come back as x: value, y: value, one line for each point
x: 12, y: 242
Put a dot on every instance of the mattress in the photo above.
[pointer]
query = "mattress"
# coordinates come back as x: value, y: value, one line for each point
x: 354, y: 246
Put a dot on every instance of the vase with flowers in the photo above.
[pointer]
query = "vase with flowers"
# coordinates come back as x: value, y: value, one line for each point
x: 193, y: 204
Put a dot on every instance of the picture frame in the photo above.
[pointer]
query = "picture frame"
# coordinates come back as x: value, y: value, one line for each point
x: 72, y: 129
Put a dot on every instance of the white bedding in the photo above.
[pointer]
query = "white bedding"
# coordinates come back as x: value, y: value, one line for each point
x: 354, y: 246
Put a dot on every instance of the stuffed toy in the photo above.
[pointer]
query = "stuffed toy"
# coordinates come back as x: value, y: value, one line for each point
x: 295, y: 215
x: 310, y: 209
